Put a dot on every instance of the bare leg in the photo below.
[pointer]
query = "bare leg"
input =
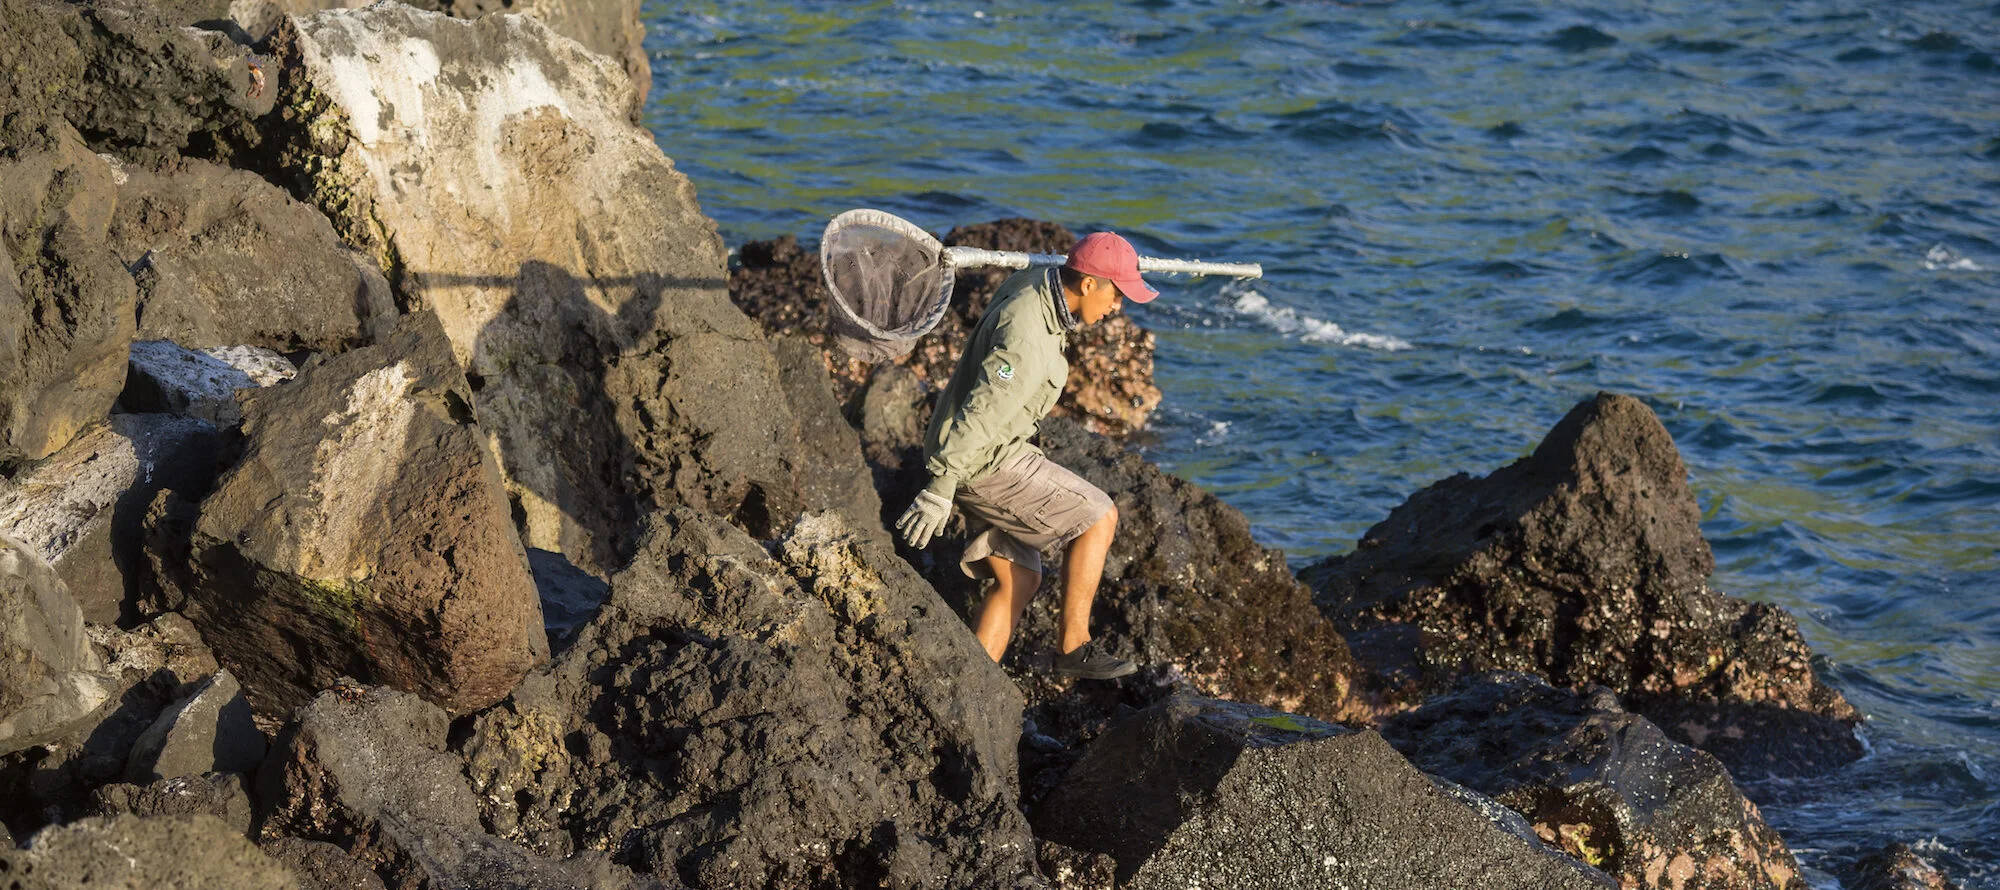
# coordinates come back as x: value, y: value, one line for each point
x: 1013, y: 587
x: 1083, y: 567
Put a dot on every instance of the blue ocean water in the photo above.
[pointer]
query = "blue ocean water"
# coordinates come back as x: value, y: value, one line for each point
x: 1775, y: 222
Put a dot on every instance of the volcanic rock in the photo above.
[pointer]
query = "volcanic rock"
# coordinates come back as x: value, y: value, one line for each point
x: 147, y: 669
x: 320, y: 865
x: 143, y: 853
x: 1897, y: 866
x: 66, y: 302
x: 364, y: 533
x: 224, y: 258
x: 208, y: 731
x: 128, y: 77
x: 1602, y: 784
x: 1201, y: 792
x: 1110, y: 388
x: 221, y: 795
x: 813, y: 718
x: 580, y: 284
x: 1584, y: 563
x: 367, y: 769
x: 169, y: 379
x: 51, y: 678
x: 82, y: 509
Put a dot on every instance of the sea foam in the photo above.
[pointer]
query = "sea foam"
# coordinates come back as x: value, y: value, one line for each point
x: 1286, y: 320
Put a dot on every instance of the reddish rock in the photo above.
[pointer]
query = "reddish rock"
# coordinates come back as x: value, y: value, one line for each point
x: 364, y: 533
x: 1584, y: 563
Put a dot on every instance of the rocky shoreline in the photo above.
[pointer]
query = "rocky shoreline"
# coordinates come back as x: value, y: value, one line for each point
x: 398, y: 488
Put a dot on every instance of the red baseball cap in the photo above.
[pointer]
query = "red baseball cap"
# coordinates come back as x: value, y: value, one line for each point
x: 1106, y: 255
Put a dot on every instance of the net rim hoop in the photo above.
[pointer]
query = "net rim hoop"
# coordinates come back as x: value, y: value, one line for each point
x: 900, y: 226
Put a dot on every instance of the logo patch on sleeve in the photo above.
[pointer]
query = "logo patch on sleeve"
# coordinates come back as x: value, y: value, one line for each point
x: 1006, y: 372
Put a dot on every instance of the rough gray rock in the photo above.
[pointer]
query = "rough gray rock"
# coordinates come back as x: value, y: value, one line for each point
x: 826, y: 442
x: 167, y: 378
x: 210, y: 730
x: 224, y: 258
x: 221, y: 795
x: 66, y: 302
x: 815, y: 719
x: 364, y: 533
x: 1584, y: 563
x: 149, y: 667
x: 320, y: 865
x: 51, y: 678
x: 1598, y: 782
x: 83, y: 508
x: 581, y: 286
x: 143, y: 853
x: 1201, y: 792
x: 367, y: 769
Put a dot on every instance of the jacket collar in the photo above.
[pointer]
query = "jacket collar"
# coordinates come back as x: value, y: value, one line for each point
x: 1055, y: 310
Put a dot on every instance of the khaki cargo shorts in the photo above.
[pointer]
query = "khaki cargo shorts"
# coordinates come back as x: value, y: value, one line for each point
x: 1025, y: 506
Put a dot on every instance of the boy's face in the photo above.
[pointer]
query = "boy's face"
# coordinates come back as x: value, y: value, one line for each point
x: 1100, y: 298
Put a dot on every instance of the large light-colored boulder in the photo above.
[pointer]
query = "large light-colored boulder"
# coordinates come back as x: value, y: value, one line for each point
x: 50, y: 676
x: 492, y: 163
x: 81, y: 510
x: 365, y: 533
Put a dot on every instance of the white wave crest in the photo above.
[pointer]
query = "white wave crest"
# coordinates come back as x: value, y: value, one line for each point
x: 1941, y: 257
x: 1286, y: 320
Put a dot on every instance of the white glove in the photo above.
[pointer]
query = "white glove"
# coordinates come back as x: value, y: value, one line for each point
x: 925, y: 518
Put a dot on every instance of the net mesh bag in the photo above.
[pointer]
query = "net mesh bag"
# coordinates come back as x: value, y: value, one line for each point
x: 887, y: 280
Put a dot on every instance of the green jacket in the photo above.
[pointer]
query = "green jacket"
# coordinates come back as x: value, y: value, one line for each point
x: 1006, y: 382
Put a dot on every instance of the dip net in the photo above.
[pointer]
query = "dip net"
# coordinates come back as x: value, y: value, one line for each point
x: 890, y: 283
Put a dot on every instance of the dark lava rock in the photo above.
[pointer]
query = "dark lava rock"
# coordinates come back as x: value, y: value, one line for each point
x: 365, y: 533
x: 320, y: 865
x: 1897, y: 866
x: 1602, y: 784
x: 1200, y: 792
x: 129, y: 78
x: 224, y: 258
x: 83, y: 508
x: 221, y: 795
x: 66, y: 301
x: 142, y: 853
x: 1110, y: 387
x: 812, y: 717
x: 367, y: 769
x: 1584, y: 563
x: 51, y: 677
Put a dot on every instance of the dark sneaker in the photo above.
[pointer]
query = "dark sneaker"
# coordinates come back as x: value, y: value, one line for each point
x: 1091, y: 662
